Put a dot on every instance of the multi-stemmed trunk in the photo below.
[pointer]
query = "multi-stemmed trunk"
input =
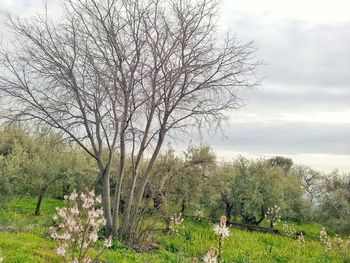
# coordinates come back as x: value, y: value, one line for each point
x: 135, y: 171
x: 143, y: 182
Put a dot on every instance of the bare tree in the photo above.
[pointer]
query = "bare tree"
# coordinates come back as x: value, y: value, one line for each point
x: 53, y: 77
x: 121, y: 75
x: 195, y: 78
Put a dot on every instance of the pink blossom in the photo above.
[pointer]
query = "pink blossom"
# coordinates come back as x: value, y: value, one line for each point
x: 78, y: 227
x: 98, y: 199
x: 61, y: 251
x: 74, y: 210
x: 93, y: 237
x: 73, y: 196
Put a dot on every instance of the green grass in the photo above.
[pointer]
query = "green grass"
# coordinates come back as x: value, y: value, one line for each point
x: 23, y: 238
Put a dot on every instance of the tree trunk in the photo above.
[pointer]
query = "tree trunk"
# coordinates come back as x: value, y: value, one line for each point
x: 183, y: 205
x: 41, y: 194
x: 106, y: 200
x: 262, y: 216
x: 130, y: 197
x: 228, y: 211
x: 120, y: 174
x: 143, y: 183
x: 38, y: 203
x: 168, y: 228
x: 127, y: 211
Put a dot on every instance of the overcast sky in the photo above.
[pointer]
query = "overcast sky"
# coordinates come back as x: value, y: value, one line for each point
x: 302, y: 109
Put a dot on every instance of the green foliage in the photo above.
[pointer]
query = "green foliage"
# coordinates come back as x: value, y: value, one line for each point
x: 194, y: 240
x: 335, y: 202
x: 30, y: 163
x: 279, y: 161
x: 244, y: 189
x: 248, y: 188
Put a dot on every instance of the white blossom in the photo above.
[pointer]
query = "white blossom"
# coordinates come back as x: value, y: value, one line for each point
x: 108, y: 242
x: 222, y: 230
x: 61, y: 251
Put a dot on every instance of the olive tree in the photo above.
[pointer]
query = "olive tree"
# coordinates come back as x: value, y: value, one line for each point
x: 334, y: 201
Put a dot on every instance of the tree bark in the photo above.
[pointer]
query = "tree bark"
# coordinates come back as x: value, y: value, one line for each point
x: 143, y: 183
x: 41, y: 195
x: 106, y: 196
x: 120, y: 176
x: 228, y: 211
x: 38, y: 203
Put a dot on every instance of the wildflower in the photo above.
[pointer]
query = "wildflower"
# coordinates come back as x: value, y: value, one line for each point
x: 98, y: 199
x: 222, y: 229
x: 108, y: 242
x: 339, y: 242
x: 289, y: 231
x: 62, y: 212
x: 210, y: 256
x: 176, y: 223
x: 198, y: 215
x: 73, y: 196
x: 301, y: 240
x: 61, y: 251
x: 78, y: 226
x: 273, y: 215
x: 323, y: 234
x: 74, y: 210
x: 66, y: 236
x: 93, y: 237
x: 325, y: 240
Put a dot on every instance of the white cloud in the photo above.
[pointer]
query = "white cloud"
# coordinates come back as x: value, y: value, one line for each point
x: 4, y: 4
x: 317, y: 11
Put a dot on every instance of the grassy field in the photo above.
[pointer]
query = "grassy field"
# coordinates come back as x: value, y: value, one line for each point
x: 24, y: 238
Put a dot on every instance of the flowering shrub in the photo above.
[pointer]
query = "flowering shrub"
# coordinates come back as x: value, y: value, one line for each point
x: 78, y: 226
x: 1, y: 258
x: 288, y: 231
x: 325, y: 239
x: 273, y: 215
x: 336, y: 243
x: 198, y: 215
x: 176, y: 223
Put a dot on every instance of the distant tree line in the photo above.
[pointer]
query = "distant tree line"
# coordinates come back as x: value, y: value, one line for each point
x: 42, y: 164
